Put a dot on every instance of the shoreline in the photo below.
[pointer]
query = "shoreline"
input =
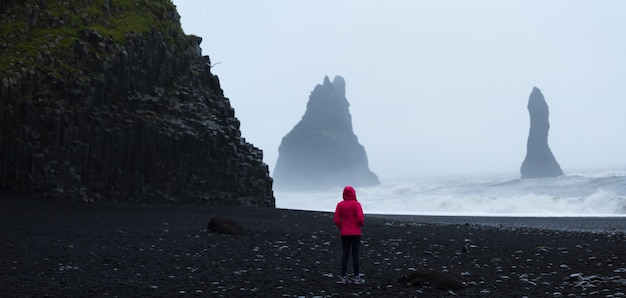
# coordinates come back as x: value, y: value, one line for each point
x: 613, y: 223
x: 609, y: 223
x: 583, y: 223
x: 567, y: 223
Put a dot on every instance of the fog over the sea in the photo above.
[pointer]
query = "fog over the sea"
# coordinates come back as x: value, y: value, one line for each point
x: 435, y: 87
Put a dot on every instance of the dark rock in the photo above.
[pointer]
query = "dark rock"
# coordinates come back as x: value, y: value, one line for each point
x: 119, y: 114
x: 539, y: 161
x: 465, y: 249
x: 431, y: 278
x: 225, y: 226
x: 322, y: 151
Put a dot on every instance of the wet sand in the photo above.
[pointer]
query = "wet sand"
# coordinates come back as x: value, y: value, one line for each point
x: 571, y: 223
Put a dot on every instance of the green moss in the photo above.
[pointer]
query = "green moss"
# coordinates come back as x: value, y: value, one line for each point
x: 60, y: 24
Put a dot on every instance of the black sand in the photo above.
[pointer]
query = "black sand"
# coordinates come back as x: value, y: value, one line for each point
x: 131, y: 249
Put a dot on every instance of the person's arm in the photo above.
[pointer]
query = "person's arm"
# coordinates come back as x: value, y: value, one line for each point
x: 360, y: 216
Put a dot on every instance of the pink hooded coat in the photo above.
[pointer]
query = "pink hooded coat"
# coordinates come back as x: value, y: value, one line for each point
x: 349, y: 213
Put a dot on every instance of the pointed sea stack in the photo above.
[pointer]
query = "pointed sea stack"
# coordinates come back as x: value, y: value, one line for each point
x: 539, y: 161
x: 322, y: 151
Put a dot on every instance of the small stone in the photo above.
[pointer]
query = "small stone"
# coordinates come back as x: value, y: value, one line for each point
x: 576, y: 276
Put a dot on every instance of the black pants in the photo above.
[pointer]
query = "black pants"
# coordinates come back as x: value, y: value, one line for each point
x: 350, y: 243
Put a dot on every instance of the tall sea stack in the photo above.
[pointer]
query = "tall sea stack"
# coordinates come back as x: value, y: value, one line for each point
x: 539, y: 161
x: 111, y: 101
x: 322, y: 151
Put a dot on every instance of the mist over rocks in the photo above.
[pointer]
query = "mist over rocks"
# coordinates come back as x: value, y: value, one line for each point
x: 322, y: 151
x: 111, y: 101
x: 539, y: 161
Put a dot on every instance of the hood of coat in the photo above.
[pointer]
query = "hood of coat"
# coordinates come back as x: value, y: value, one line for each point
x: 349, y: 194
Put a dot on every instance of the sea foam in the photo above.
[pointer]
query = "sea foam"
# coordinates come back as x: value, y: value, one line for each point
x: 577, y: 194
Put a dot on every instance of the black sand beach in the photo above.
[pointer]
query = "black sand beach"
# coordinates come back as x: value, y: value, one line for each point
x: 131, y: 249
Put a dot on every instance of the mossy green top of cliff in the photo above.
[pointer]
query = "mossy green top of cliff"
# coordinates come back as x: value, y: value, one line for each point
x: 30, y: 29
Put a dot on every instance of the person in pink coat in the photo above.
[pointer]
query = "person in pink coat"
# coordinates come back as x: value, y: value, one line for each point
x: 349, y: 219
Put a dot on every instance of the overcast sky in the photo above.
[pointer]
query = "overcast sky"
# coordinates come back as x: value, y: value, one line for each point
x: 435, y: 87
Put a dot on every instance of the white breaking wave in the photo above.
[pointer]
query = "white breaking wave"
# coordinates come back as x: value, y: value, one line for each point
x: 578, y: 194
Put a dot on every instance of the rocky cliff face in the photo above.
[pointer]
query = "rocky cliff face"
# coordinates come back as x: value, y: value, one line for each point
x: 539, y: 161
x: 110, y: 100
x: 322, y: 151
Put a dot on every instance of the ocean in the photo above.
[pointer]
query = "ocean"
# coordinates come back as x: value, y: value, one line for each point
x: 592, y: 193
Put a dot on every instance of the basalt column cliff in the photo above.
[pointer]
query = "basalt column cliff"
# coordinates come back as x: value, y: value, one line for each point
x: 110, y: 100
x: 322, y: 151
x: 539, y: 161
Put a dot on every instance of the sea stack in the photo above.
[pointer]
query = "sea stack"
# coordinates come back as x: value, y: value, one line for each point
x: 322, y: 151
x: 539, y: 161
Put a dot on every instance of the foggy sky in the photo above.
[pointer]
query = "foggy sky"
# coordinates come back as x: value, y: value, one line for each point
x: 435, y: 87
